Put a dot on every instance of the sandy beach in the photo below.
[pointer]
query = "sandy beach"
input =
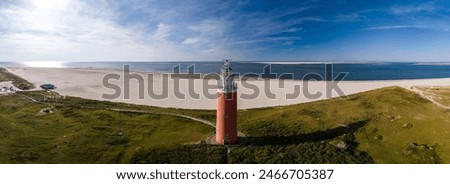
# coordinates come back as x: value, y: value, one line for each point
x: 87, y: 83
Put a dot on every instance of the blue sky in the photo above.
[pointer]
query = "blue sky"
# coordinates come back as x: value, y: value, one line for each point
x: 146, y: 30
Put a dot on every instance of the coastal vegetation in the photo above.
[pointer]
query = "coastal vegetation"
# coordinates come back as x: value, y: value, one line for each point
x: 393, y: 125
x: 390, y: 125
x: 440, y: 94
x: 75, y: 134
x: 16, y: 80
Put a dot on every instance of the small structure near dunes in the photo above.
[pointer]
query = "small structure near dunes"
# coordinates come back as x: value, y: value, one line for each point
x: 45, y: 111
x: 7, y: 88
x: 48, y: 86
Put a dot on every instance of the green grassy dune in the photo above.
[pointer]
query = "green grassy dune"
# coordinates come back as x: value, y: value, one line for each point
x: 74, y: 134
x: 439, y: 94
x: 16, y: 80
x: 399, y: 125
x: 390, y: 125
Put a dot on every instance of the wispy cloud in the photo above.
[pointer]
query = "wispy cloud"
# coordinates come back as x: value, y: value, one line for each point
x: 426, y: 15
x: 243, y: 33
x: 162, y: 31
x: 395, y: 27
x: 414, y: 8
x: 294, y: 11
x: 74, y: 30
x: 351, y: 17
x: 198, y: 30
x: 138, y: 30
x: 283, y: 40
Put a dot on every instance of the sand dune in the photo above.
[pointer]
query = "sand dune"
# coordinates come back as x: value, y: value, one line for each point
x: 87, y: 83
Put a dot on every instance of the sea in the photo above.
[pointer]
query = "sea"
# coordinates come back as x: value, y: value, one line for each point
x: 295, y: 70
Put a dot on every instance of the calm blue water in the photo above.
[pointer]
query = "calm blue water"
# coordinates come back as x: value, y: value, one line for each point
x: 362, y: 71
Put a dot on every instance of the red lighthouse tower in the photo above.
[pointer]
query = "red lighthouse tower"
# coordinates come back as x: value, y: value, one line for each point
x: 226, y: 125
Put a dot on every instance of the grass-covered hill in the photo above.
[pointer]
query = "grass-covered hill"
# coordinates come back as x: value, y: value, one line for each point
x: 70, y: 133
x: 393, y: 125
x: 16, y: 80
x: 390, y: 125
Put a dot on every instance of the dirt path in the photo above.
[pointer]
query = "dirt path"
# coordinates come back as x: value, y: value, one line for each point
x: 423, y: 95
x: 135, y: 111
x: 166, y: 113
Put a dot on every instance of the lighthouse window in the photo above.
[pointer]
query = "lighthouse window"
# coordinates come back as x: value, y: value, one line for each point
x: 226, y: 115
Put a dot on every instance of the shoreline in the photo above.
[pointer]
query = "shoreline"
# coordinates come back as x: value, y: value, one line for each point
x: 87, y: 83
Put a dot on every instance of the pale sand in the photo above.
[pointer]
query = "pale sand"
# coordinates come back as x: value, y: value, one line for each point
x: 87, y: 83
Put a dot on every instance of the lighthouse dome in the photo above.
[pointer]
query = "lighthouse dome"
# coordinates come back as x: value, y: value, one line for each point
x: 226, y: 69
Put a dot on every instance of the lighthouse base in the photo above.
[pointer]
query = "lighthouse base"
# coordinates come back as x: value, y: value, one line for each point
x: 241, y: 140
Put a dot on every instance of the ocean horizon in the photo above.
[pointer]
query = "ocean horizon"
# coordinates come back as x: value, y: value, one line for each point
x: 355, y: 71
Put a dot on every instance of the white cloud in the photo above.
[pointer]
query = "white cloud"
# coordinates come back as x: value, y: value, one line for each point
x: 393, y: 27
x: 352, y: 17
x: 407, y: 9
x: 210, y: 28
x: 191, y: 40
x: 162, y: 31
x: 74, y: 30
x: 211, y: 38
x: 140, y: 30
